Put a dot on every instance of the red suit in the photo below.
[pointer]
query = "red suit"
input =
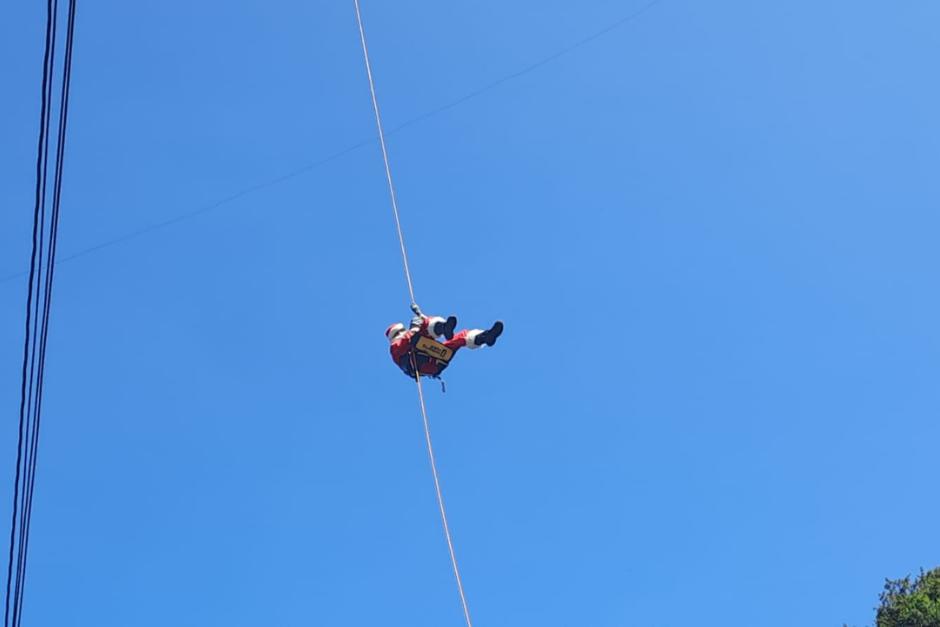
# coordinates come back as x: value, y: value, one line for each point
x: 402, y: 343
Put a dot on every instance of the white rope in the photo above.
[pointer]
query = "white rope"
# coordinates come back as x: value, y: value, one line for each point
x: 440, y: 501
x: 388, y: 169
x: 411, y: 292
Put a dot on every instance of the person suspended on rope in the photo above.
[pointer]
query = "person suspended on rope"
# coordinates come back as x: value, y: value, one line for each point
x: 418, y: 347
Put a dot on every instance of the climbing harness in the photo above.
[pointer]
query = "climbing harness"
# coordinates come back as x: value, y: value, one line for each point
x: 433, y: 350
x: 428, y: 351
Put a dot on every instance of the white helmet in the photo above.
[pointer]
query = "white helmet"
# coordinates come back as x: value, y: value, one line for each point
x: 393, y: 331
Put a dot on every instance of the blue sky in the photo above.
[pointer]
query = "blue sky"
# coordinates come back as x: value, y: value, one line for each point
x: 711, y: 233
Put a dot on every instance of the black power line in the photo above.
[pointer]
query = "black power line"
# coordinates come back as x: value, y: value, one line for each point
x: 26, y: 386
x: 38, y: 307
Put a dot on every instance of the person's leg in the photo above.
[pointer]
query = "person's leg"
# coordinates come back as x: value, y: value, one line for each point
x: 447, y: 329
x: 434, y: 326
x: 460, y: 340
x: 477, y: 338
x: 473, y: 338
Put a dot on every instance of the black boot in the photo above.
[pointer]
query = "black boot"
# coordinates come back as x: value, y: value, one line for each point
x: 489, y: 336
x: 446, y: 328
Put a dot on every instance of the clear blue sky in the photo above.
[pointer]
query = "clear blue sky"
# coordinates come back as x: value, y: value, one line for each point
x: 712, y: 234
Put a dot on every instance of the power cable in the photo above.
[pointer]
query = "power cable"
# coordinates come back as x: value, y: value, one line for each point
x: 158, y: 226
x: 26, y: 387
x: 38, y: 309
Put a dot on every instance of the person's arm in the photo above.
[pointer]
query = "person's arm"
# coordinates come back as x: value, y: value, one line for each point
x: 402, y: 345
x: 420, y: 322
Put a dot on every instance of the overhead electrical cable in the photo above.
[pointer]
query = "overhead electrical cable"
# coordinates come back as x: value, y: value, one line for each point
x: 277, y: 180
x: 26, y: 386
x: 32, y: 394
x: 47, y: 300
x: 411, y: 292
x: 38, y: 305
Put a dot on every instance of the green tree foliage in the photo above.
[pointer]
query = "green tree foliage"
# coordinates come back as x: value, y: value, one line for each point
x: 911, y: 604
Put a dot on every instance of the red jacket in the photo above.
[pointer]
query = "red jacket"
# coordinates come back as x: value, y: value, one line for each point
x: 402, y: 353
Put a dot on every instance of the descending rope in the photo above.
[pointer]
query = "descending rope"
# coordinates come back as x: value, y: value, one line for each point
x: 440, y: 498
x: 388, y: 169
x: 411, y: 292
